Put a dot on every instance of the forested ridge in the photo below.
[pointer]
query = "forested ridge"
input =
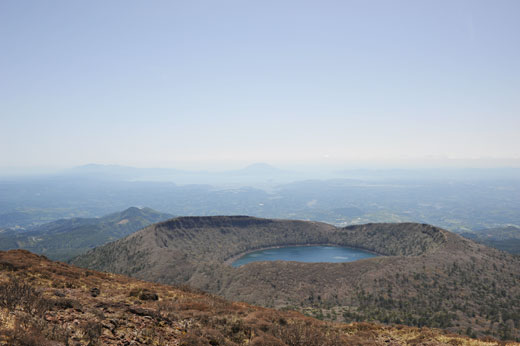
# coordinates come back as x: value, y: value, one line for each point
x: 425, y: 276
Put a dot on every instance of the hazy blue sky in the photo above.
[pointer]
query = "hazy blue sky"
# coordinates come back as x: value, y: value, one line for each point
x: 194, y: 83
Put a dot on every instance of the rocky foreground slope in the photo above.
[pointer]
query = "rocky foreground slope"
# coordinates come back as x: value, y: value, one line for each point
x: 426, y: 276
x: 50, y: 303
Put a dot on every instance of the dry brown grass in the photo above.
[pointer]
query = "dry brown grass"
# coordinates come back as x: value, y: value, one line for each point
x: 48, y: 303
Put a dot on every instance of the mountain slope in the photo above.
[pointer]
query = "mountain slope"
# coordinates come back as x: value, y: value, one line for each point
x: 427, y: 276
x: 67, y: 238
x: 503, y: 238
x: 47, y: 303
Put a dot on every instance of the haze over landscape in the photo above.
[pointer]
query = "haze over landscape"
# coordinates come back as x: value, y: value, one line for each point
x: 360, y: 160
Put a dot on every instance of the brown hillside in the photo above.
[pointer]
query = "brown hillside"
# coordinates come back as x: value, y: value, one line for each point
x: 427, y: 276
x: 51, y: 303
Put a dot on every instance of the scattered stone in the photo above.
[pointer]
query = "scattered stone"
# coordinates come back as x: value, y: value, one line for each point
x: 140, y: 311
x: 144, y: 294
x: 59, y: 294
x: 94, y: 292
x: 147, y: 295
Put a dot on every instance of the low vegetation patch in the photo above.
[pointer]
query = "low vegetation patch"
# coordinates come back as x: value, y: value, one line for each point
x: 34, y: 312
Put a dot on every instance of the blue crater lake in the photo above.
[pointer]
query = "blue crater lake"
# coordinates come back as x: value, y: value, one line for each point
x: 312, y: 254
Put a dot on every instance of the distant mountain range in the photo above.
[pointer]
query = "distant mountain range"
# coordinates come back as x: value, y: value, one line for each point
x: 67, y: 238
x: 459, y: 206
x: 504, y: 238
x: 425, y: 276
x: 255, y: 174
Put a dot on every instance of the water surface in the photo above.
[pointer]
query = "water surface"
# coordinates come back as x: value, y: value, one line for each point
x: 313, y: 254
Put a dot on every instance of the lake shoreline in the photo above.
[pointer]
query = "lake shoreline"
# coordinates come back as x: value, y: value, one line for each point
x: 232, y: 259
